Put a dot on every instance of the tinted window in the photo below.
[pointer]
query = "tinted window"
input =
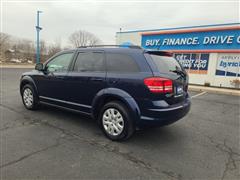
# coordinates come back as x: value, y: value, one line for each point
x: 165, y: 64
x: 60, y: 63
x: 121, y: 63
x: 89, y: 61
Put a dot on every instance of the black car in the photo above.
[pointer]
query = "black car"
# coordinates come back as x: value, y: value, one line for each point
x: 123, y: 88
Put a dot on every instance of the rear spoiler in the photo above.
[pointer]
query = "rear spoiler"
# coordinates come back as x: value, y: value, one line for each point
x: 160, y: 53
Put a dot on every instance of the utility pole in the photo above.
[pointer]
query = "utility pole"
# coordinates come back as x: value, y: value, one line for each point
x: 38, y: 28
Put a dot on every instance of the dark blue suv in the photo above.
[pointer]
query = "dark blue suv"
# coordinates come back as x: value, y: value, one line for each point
x: 123, y: 88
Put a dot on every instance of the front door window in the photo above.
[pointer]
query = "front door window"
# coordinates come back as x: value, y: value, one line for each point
x: 59, y: 63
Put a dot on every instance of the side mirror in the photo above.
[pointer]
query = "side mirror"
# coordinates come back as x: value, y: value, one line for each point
x: 39, y: 67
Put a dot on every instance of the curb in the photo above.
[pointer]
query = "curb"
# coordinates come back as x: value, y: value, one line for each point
x: 215, y: 90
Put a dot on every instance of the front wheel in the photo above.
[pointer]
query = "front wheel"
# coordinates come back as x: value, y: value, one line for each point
x: 29, y: 97
x: 116, y: 122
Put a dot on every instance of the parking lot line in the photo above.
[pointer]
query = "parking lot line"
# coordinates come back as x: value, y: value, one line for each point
x: 202, y: 93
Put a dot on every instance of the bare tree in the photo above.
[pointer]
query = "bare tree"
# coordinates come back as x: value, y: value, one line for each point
x: 54, y: 48
x: 15, y: 48
x: 83, y: 38
x: 3, y: 38
x: 25, y: 49
x: 4, y: 45
x: 43, y: 51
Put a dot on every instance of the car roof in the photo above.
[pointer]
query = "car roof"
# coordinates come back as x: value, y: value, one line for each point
x: 119, y: 49
x: 112, y: 49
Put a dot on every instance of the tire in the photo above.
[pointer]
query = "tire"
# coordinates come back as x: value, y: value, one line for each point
x: 113, y: 116
x: 29, y: 97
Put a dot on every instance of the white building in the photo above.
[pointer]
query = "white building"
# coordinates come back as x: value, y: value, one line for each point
x: 210, y: 53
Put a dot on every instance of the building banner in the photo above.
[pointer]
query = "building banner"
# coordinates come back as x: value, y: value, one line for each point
x: 228, y: 64
x: 204, y: 39
x: 194, y: 63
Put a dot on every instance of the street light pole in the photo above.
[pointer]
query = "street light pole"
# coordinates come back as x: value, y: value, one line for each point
x: 120, y: 34
x: 38, y: 28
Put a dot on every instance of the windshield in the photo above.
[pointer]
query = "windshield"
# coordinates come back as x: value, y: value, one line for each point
x: 166, y: 64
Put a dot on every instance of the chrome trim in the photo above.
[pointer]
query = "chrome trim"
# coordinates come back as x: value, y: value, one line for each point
x: 62, y: 107
x: 67, y: 102
x: 166, y: 109
x: 179, y: 95
x: 146, y: 118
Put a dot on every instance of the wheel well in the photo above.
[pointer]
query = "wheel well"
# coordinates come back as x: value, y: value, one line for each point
x: 23, y: 84
x: 105, y: 101
x: 112, y: 98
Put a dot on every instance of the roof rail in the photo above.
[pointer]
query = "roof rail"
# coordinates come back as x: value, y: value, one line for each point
x: 128, y: 46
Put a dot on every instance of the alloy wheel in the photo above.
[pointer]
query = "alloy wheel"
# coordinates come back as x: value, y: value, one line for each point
x: 113, y: 122
x: 28, y: 97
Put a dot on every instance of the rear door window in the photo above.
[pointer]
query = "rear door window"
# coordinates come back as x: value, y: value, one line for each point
x: 89, y: 61
x: 165, y: 64
x: 121, y: 63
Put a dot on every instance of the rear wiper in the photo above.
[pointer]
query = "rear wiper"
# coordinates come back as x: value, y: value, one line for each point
x: 178, y: 72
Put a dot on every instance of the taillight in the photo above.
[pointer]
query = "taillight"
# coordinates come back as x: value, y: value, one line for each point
x: 159, y: 85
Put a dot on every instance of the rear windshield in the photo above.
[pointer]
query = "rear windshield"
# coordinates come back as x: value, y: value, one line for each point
x: 165, y: 64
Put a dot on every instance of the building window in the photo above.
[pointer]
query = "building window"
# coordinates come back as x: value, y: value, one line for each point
x: 228, y: 64
x: 194, y: 63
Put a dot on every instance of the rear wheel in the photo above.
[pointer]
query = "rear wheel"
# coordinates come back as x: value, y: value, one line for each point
x: 116, y: 122
x: 29, y: 97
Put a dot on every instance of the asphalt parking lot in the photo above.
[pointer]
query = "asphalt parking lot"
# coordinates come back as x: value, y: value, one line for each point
x: 54, y: 144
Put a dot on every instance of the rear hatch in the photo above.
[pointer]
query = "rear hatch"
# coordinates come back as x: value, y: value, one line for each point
x: 165, y: 66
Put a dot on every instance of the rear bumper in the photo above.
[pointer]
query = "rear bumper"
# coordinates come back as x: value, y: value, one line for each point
x: 165, y: 116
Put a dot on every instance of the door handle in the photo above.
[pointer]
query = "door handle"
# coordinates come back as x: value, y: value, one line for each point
x: 96, y: 79
x: 59, y: 77
x: 113, y: 81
